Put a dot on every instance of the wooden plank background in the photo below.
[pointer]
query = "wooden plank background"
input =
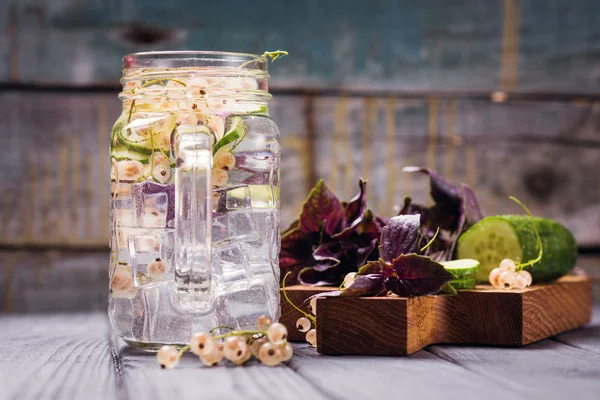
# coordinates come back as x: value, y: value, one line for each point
x: 503, y: 95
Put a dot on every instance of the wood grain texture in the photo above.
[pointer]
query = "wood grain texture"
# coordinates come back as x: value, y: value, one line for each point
x: 63, y: 356
x: 392, y: 44
x: 400, y: 326
x: 75, y: 356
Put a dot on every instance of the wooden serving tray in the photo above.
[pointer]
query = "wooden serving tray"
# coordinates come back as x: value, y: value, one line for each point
x: 483, y: 316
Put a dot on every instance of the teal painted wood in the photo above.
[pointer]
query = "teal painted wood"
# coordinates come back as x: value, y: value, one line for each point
x: 384, y: 44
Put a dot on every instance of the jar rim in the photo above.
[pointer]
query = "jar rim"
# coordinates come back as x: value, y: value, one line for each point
x: 194, y: 58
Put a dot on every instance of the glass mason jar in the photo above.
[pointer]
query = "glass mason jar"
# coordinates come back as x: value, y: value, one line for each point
x: 194, y: 197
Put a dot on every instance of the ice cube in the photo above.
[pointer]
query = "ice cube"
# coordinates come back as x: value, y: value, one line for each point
x: 143, y: 248
x: 230, y: 264
x: 154, y: 204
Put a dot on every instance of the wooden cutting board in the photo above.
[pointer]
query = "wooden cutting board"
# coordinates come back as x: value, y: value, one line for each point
x: 483, y: 316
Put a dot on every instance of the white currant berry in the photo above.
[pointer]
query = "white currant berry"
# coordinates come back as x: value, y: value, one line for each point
x: 156, y: 269
x: 256, y: 344
x: 224, y: 159
x: 520, y: 282
x: 507, y: 280
x: 527, y: 276
x: 349, y: 280
x: 234, y: 348
x: 494, y: 277
x: 214, y: 356
x: 121, y: 278
x: 303, y: 324
x: 313, y: 306
x: 277, y: 333
x: 263, y: 322
x: 129, y: 170
x: 269, y: 354
x: 167, y: 357
x: 287, y: 352
x: 507, y: 265
x: 243, y: 358
x: 202, y: 344
x: 311, y: 337
x: 161, y: 173
x: 219, y: 177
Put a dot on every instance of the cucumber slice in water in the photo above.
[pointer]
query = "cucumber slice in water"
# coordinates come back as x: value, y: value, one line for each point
x: 236, y: 131
x: 462, y: 268
x: 461, y: 284
x: 512, y: 236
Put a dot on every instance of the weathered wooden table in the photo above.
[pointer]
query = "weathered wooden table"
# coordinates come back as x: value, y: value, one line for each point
x: 75, y: 356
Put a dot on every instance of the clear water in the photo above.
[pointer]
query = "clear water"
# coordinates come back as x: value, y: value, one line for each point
x: 155, y: 302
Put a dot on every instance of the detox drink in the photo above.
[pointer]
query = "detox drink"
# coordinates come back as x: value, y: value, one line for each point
x: 222, y: 97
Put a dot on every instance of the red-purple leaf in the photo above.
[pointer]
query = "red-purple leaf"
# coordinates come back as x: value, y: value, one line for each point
x: 296, y: 253
x: 366, y: 285
x: 362, y: 233
x: 357, y: 206
x: 471, y: 206
x: 312, y: 277
x: 399, y: 236
x: 321, y: 210
x: 417, y: 276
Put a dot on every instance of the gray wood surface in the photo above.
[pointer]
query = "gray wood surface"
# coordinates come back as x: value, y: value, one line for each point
x: 75, y: 356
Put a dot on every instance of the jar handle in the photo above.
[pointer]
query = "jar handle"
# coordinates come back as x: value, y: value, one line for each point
x: 192, y: 147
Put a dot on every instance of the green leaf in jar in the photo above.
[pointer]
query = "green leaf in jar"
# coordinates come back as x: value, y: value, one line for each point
x: 236, y: 131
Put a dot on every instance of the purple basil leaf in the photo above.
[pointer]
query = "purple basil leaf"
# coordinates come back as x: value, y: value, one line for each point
x: 399, y: 236
x: 471, y: 205
x: 321, y: 209
x: 372, y: 267
x: 310, y: 276
x: 296, y: 253
x: 363, y: 254
x: 377, y: 267
x: 442, y: 191
x: 325, y: 264
x: 362, y: 233
x: 357, y: 206
x: 417, y: 276
x: 366, y: 285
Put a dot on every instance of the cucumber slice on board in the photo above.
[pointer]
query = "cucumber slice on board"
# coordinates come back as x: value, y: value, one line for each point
x: 461, y: 284
x: 512, y: 236
x: 462, y: 268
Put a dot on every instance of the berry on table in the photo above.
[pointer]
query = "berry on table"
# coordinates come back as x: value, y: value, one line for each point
x: 269, y: 354
x: 202, y: 344
x: 527, y: 276
x: 277, y: 333
x: 263, y: 322
x: 313, y: 305
x: 507, y: 265
x: 168, y: 357
x: 494, y: 277
x: 303, y: 324
x: 241, y: 359
x: 213, y: 356
x: 349, y: 280
x: 287, y: 352
x: 311, y: 337
x: 507, y: 279
x: 234, y: 348
x: 520, y: 282
x: 256, y: 345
